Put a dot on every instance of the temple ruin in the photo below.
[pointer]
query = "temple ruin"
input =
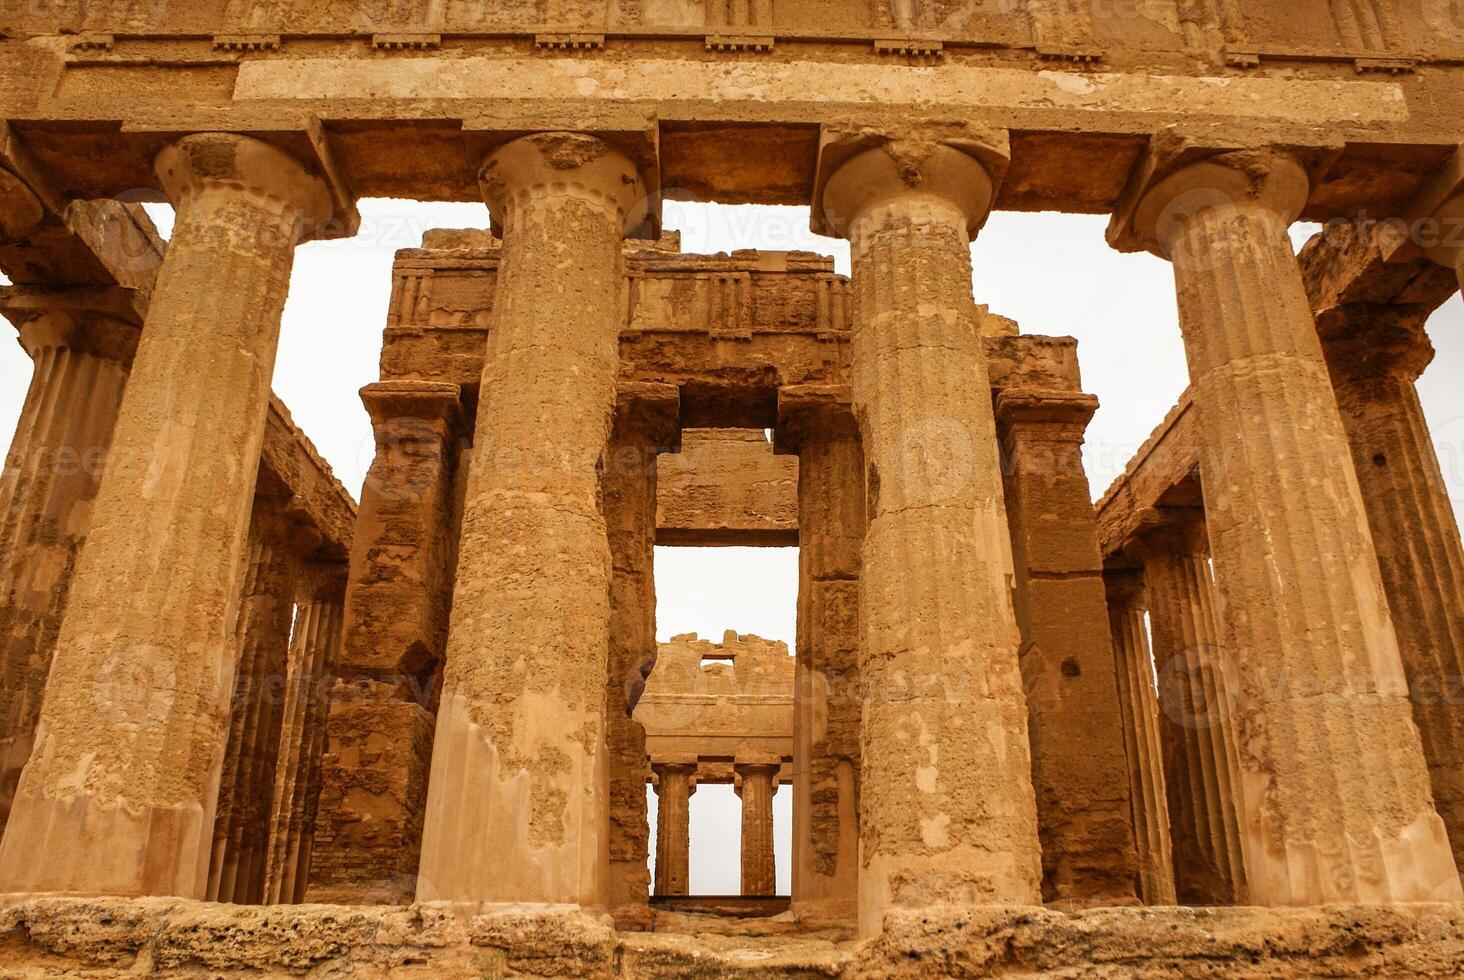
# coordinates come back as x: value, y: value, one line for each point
x: 251, y: 725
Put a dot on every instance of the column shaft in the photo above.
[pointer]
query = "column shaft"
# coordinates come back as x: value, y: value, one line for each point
x: 518, y: 804
x: 251, y: 753
x: 756, y: 784
x: 673, y: 827
x: 1140, y: 706
x: 50, y: 480
x: 1418, y: 544
x: 1078, y: 760
x: 1197, y: 695
x: 119, y: 795
x: 314, y: 659
x: 1338, y: 806
x: 947, y: 813
x: 827, y: 704
x: 645, y: 423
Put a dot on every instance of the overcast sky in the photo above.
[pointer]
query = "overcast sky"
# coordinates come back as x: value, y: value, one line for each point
x: 1052, y: 273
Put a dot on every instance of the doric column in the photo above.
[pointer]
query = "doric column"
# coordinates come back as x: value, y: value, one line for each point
x: 247, y: 778
x: 1337, y: 804
x: 756, y: 782
x: 674, y: 787
x: 314, y: 659
x: 947, y: 813
x: 817, y: 423
x: 517, y: 805
x: 1140, y: 706
x: 81, y: 355
x: 1374, y: 368
x: 1078, y: 760
x: 1197, y: 694
x: 373, y: 794
x: 647, y: 423
x: 119, y: 795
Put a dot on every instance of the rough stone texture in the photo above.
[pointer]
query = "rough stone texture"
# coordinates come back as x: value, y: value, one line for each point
x: 726, y: 488
x: 1140, y: 705
x: 44, y: 938
x: 130, y: 741
x: 947, y: 813
x: 1335, y: 791
x: 517, y: 804
x: 1078, y: 761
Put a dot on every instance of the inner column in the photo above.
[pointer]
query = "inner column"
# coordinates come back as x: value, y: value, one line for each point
x: 517, y: 807
x: 947, y: 810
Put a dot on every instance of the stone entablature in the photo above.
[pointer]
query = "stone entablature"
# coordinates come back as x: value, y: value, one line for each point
x: 717, y: 702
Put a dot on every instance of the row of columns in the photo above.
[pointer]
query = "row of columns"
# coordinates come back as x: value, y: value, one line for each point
x: 756, y: 781
x: 1334, y: 797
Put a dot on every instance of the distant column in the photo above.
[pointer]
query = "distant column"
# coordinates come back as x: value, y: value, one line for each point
x: 756, y: 782
x: 1078, y: 760
x: 647, y: 423
x: 674, y: 787
x: 1197, y: 701
x: 1416, y: 533
x: 818, y: 424
x: 81, y: 356
x: 1140, y: 706
x: 138, y: 692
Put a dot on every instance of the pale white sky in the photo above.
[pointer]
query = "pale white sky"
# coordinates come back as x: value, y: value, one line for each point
x: 1052, y: 273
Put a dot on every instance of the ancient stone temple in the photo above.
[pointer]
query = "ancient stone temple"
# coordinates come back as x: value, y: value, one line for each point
x: 251, y: 726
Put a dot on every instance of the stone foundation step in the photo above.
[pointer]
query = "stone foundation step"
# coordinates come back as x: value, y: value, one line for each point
x: 729, y: 906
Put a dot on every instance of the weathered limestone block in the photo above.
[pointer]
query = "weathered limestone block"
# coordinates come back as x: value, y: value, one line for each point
x: 394, y: 639
x: 818, y: 424
x: 315, y: 647
x: 757, y: 780
x: 727, y: 488
x: 81, y: 354
x: 1373, y: 367
x: 247, y: 779
x: 674, y: 787
x: 646, y: 424
x: 1140, y: 705
x: 947, y: 812
x: 119, y: 794
x: 1336, y: 799
x: 1197, y: 697
x: 517, y: 804
x: 1078, y: 760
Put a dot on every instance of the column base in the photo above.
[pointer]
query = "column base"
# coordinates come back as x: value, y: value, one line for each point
x: 80, y: 846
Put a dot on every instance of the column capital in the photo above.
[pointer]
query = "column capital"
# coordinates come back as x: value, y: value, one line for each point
x: 650, y: 411
x: 860, y: 169
x: 573, y: 164
x: 424, y: 401
x: 805, y: 410
x: 299, y: 194
x: 102, y: 321
x: 1029, y: 407
x: 1124, y: 587
x: 1378, y: 343
x: 1169, y: 531
x: 1177, y: 180
x: 321, y: 581
x: 27, y: 199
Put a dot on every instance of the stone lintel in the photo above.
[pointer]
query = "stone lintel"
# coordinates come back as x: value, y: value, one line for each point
x: 430, y: 401
x: 23, y: 303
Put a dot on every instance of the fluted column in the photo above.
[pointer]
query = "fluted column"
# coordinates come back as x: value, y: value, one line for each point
x: 247, y: 778
x: 517, y: 805
x: 314, y: 655
x: 1197, y: 695
x: 1417, y: 536
x: 1337, y: 803
x: 756, y: 782
x: 947, y: 813
x: 119, y: 795
x: 674, y: 788
x: 817, y: 423
x: 1140, y: 708
x: 81, y: 357
x: 647, y: 423
x: 1078, y: 761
